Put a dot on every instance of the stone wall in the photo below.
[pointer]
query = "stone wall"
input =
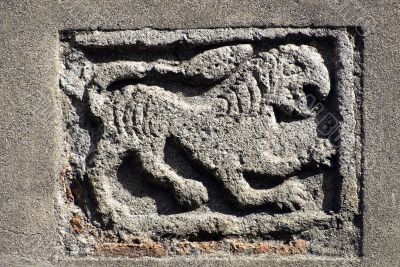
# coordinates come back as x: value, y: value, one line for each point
x: 214, y: 133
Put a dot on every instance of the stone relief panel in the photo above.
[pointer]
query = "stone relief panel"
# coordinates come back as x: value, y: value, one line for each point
x: 211, y: 136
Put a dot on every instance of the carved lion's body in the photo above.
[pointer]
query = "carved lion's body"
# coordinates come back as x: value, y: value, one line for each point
x: 231, y: 129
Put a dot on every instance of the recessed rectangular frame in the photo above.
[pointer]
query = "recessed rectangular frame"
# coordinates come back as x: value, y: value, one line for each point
x: 344, y: 47
x: 381, y: 214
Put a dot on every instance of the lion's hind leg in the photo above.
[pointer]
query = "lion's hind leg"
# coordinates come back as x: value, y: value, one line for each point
x: 189, y: 193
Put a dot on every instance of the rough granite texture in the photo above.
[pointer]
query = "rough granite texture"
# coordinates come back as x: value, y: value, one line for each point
x: 242, y: 139
x: 32, y: 132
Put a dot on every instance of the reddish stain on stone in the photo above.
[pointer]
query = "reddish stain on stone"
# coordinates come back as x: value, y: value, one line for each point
x: 65, y: 171
x: 131, y: 250
x: 262, y: 247
x: 186, y: 247
x: 77, y: 224
x: 153, y: 249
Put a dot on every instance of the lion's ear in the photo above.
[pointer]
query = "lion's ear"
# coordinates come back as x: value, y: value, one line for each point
x: 218, y: 63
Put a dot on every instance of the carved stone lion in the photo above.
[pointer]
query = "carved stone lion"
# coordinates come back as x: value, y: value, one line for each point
x: 237, y: 112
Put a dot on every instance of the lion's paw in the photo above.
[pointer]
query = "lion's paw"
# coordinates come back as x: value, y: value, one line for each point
x: 292, y: 196
x: 191, y: 194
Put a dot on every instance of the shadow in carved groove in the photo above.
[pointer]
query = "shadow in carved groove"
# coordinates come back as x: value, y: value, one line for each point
x: 140, y: 184
x: 182, y: 163
x: 132, y: 177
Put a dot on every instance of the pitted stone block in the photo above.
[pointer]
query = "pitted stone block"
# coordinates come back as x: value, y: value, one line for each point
x: 213, y: 134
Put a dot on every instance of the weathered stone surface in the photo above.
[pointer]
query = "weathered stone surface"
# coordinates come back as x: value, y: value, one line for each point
x: 210, y: 135
x: 31, y: 137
